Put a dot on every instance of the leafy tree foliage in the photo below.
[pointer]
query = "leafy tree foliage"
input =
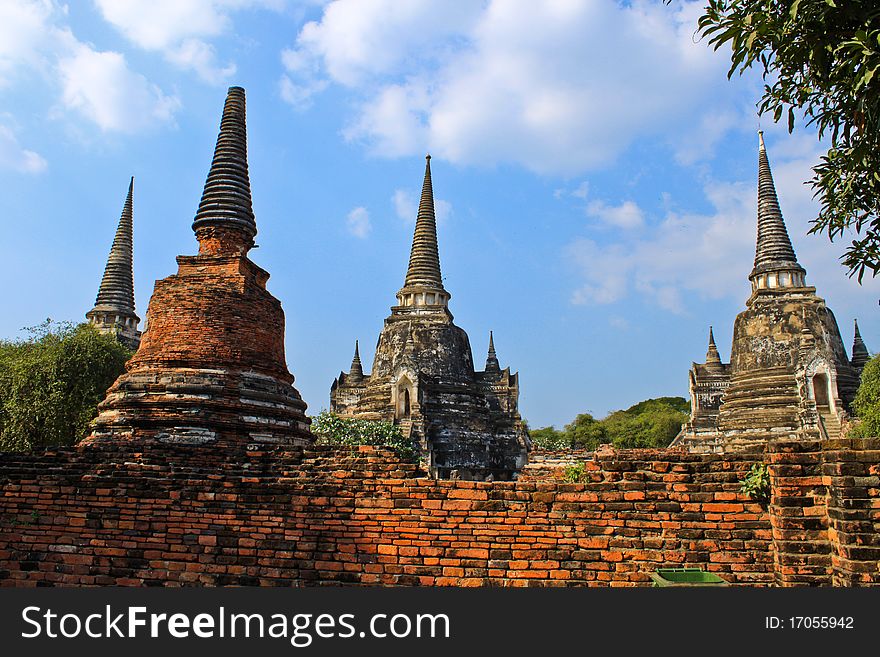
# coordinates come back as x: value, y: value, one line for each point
x: 332, y: 429
x: 51, y: 383
x: 651, y: 423
x: 867, y: 402
x: 586, y: 432
x: 821, y: 58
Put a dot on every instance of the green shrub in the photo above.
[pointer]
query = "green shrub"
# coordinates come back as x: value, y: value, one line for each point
x: 756, y: 484
x: 332, y: 429
x: 51, y: 383
x: 867, y: 402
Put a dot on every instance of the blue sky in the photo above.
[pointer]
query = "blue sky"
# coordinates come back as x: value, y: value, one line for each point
x: 594, y: 172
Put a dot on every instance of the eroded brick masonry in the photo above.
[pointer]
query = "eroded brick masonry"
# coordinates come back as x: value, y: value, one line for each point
x: 289, y: 516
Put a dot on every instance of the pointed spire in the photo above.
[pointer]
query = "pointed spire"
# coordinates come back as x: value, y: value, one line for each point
x: 860, y: 354
x: 226, y: 200
x: 356, y: 371
x: 492, y: 359
x: 712, y: 355
x: 116, y: 293
x: 773, y: 251
x: 424, y: 259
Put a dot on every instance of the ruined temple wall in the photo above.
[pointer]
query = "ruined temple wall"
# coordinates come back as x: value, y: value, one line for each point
x: 825, y: 511
x: 176, y: 516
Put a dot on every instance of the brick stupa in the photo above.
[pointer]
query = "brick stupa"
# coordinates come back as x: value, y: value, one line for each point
x: 465, y: 423
x: 211, y: 369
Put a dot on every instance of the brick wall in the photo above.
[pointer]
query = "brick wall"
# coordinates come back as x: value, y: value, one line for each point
x: 187, y: 515
x: 825, y: 511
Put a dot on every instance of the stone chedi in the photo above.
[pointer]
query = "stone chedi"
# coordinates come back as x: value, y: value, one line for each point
x: 211, y: 367
x: 789, y: 375
x: 114, y: 307
x: 465, y: 422
x: 706, y: 385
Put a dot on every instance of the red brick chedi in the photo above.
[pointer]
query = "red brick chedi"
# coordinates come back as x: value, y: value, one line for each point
x: 210, y: 368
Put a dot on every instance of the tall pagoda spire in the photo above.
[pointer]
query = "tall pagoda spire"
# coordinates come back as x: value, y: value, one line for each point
x: 492, y: 364
x: 356, y: 370
x: 773, y: 253
x: 860, y: 354
x: 712, y: 355
x: 224, y: 223
x: 423, y: 285
x: 114, y: 310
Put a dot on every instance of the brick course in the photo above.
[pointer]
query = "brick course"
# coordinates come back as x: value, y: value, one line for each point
x: 106, y: 514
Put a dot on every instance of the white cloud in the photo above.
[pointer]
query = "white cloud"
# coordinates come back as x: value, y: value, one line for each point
x: 709, y: 256
x: 34, y: 38
x: 101, y: 87
x: 627, y: 215
x: 16, y: 158
x: 558, y: 87
x: 406, y: 206
x: 358, y: 222
x: 180, y: 29
x: 23, y: 28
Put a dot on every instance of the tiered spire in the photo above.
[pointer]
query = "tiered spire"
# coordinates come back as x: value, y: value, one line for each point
x: 424, y: 259
x: 492, y: 364
x: 774, y: 251
x: 860, y: 354
x: 356, y: 371
x: 226, y: 200
x: 713, y: 358
x: 116, y: 293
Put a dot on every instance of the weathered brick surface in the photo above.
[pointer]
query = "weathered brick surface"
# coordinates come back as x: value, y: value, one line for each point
x: 176, y: 516
x: 825, y: 512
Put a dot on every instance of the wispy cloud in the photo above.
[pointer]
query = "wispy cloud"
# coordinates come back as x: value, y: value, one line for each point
x: 358, y: 223
x: 181, y: 29
x: 14, y: 157
x: 708, y: 256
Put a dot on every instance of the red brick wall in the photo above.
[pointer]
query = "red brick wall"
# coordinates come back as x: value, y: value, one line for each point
x: 110, y: 515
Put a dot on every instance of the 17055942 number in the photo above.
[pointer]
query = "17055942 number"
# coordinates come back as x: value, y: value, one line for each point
x: 821, y: 622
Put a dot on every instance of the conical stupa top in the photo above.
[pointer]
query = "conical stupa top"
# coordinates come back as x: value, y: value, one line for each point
x: 356, y: 370
x: 860, y: 354
x: 712, y: 355
x: 774, y: 251
x: 492, y: 359
x: 226, y: 200
x: 424, y: 259
x: 117, y: 287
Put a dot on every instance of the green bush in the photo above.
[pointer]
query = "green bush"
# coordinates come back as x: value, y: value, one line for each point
x: 332, y: 429
x: 650, y: 423
x: 867, y: 402
x: 51, y: 383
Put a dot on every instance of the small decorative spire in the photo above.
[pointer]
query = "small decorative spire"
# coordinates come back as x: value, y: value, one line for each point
x: 712, y: 355
x: 226, y: 201
x: 773, y: 251
x: 356, y: 371
x: 492, y: 359
x: 424, y: 259
x: 116, y: 293
x: 860, y: 354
